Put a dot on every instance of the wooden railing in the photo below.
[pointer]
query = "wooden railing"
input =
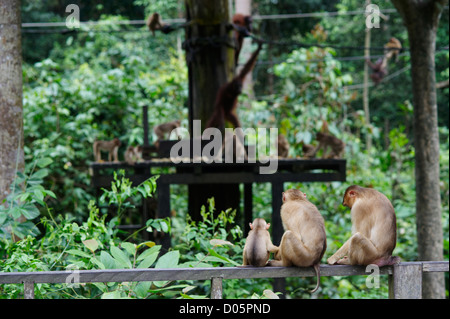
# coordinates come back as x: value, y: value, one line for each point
x: 405, y: 279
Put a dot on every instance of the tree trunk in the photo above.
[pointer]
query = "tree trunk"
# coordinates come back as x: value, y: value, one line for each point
x: 210, y: 57
x: 421, y: 19
x: 11, y: 111
x: 209, y: 54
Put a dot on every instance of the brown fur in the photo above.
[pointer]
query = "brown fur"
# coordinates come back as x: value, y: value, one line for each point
x: 304, y: 240
x: 374, y: 229
x: 328, y: 141
x: 111, y: 147
x: 227, y: 97
x: 258, y: 244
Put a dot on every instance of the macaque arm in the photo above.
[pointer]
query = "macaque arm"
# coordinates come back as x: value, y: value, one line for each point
x: 340, y: 253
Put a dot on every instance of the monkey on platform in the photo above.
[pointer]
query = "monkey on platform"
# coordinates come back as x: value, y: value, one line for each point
x: 283, y: 146
x: 328, y: 142
x: 133, y: 154
x: 374, y: 229
x: 111, y: 147
x: 162, y: 129
x: 258, y: 244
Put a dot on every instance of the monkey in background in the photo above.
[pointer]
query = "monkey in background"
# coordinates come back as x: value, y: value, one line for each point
x: 374, y: 229
x: 244, y: 24
x: 154, y: 23
x: 304, y: 241
x: 162, y: 129
x: 258, y: 244
x: 227, y: 97
x: 327, y: 142
x: 283, y: 146
x: 111, y: 147
x: 133, y: 154
x: 392, y: 49
x: 379, y: 70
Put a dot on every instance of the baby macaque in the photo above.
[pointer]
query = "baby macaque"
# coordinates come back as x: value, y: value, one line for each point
x: 374, y: 229
x: 165, y: 128
x: 283, y: 146
x: 111, y: 147
x: 328, y: 141
x: 258, y: 244
x: 133, y: 154
x: 304, y: 241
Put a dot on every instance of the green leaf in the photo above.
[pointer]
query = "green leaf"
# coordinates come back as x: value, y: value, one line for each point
x: 91, y: 244
x: 169, y: 260
x: 213, y: 253
x: 148, y: 252
x: 148, y: 260
x: 43, y: 162
x: 129, y: 247
x: 142, y: 288
x: 79, y: 253
x: 107, y: 260
x: 120, y: 257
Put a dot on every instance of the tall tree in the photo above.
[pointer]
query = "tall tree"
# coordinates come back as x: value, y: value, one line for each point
x: 210, y: 60
x: 11, y: 118
x: 421, y: 19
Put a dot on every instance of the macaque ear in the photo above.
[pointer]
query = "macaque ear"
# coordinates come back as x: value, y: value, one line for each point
x: 352, y: 193
x: 251, y: 225
x: 284, y: 197
x: 268, y: 225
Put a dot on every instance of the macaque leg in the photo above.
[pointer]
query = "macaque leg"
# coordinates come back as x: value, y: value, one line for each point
x: 110, y: 156
x: 293, y: 252
x: 342, y: 252
x: 359, y: 250
x: 116, y: 155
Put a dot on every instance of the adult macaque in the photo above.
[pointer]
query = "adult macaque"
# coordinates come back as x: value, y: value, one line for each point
x: 258, y: 244
x: 165, y: 128
x: 374, y: 229
x: 304, y: 241
x: 283, y: 146
x: 133, y: 154
x: 327, y: 142
x: 111, y: 147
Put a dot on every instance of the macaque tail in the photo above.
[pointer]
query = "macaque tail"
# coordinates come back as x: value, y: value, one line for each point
x: 317, y: 269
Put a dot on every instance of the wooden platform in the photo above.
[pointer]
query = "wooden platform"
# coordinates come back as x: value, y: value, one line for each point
x: 289, y: 170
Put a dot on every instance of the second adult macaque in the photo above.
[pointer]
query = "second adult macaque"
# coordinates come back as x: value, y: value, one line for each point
x: 304, y: 241
x: 329, y: 142
x: 165, y: 128
x: 374, y: 229
x: 112, y: 147
x: 258, y: 244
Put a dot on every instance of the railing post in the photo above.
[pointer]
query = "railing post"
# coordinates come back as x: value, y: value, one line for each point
x: 406, y: 281
x: 28, y: 290
x: 216, y: 288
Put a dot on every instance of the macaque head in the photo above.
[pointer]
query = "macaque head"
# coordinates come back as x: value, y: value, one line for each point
x: 116, y: 141
x: 351, y: 193
x: 293, y: 194
x: 259, y: 223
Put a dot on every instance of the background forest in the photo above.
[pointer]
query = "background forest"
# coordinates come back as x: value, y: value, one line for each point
x: 92, y: 83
